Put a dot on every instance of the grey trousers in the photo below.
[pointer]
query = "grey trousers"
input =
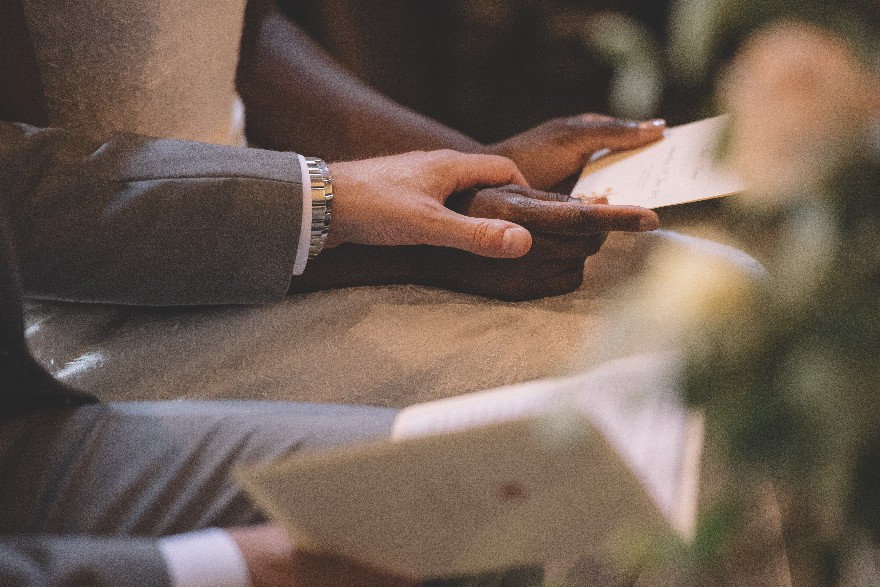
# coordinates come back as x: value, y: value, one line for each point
x: 145, y: 470
x: 156, y: 468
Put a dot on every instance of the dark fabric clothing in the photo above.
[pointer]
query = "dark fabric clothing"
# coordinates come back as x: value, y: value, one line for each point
x: 24, y: 385
x: 87, y: 490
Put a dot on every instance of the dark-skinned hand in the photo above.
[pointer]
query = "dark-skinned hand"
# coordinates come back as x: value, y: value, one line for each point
x: 558, y: 149
x: 564, y: 233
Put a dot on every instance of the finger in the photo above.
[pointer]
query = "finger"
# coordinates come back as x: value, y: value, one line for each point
x: 558, y: 246
x: 470, y: 171
x: 583, y: 219
x: 527, y: 192
x: 488, y: 237
x: 545, y: 213
x: 556, y: 197
x: 534, y: 194
x: 616, y: 134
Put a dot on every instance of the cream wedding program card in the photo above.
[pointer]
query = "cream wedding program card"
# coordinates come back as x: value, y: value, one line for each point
x: 547, y: 470
x: 680, y: 168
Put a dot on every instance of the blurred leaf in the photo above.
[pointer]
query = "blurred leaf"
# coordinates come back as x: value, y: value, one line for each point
x: 634, y: 53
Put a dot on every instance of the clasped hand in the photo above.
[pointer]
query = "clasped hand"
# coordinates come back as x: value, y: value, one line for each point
x: 471, y: 222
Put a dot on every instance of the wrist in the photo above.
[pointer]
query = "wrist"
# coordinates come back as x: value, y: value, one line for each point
x: 204, y: 557
x: 267, y: 552
x: 350, y: 265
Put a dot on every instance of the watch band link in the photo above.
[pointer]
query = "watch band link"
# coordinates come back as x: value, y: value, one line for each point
x: 321, y: 186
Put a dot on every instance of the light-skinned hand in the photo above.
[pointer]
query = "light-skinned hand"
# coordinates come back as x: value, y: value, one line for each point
x: 399, y: 200
x: 274, y: 561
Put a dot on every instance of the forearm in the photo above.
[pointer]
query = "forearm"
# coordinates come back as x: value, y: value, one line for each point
x: 298, y: 98
x: 351, y: 265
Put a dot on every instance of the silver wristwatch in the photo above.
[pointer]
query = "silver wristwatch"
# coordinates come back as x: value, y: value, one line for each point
x: 322, y: 203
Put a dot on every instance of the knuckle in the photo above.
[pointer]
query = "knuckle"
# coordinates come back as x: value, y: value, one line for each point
x: 444, y: 158
x: 513, y: 191
x: 486, y: 236
x: 511, y: 164
x: 572, y: 216
x: 504, y: 162
x: 447, y: 154
x: 519, y: 200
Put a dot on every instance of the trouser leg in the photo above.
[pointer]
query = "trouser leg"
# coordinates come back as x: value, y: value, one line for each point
x: 157, y: 468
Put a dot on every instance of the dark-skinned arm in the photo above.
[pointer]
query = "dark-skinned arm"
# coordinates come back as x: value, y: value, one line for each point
x: 299, y: 98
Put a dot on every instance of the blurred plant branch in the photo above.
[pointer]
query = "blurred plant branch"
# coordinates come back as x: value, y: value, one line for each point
x: 787, y: 370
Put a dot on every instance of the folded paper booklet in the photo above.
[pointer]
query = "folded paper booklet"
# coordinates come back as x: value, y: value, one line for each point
x: 544, y: 471
x: 682, y: 167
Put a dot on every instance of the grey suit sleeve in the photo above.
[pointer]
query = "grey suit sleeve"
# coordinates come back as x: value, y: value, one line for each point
x: 76, y: 561
x: 138, y: 220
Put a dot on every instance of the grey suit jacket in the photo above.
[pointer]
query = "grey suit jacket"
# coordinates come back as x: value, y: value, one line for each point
x: 137, y: 220
x: 134, y: 220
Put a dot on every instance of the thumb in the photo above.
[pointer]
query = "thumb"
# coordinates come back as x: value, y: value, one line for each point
x: 489, y: 237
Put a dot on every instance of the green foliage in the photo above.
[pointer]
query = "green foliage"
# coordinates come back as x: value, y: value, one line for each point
x: 790, y: 382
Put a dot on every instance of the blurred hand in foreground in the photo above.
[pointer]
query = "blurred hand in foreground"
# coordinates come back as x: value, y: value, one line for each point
x: 274, y: 561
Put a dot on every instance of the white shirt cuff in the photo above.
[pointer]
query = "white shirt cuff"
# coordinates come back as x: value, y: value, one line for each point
x: 207, y: 558
x: 305, y: 229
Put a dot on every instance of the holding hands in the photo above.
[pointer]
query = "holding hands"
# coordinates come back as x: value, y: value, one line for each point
x: 399, y: 200
x: 564, y: 232
x: 471, y: 223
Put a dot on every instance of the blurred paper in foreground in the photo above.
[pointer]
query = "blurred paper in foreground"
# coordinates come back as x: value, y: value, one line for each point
x: 551, y: 470
x: 680, y: 168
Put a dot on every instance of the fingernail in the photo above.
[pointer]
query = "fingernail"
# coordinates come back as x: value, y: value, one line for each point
x: 515, y: 241
x: 647, y: 223
x: 652, y: 124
